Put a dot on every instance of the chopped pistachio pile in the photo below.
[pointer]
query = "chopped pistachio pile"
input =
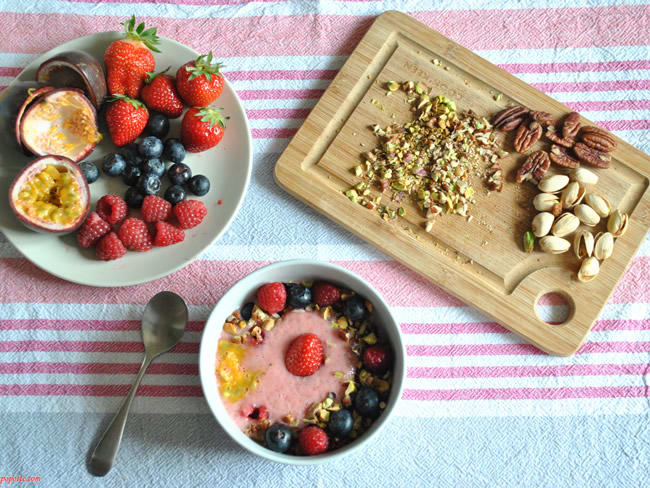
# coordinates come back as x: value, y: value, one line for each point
x: 430, y: 159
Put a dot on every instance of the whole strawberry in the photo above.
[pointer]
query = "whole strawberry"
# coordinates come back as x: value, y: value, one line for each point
x: 134, y: 234
x: 199, y: 82
x: 126, y: 119
x: 272, y: 297
x: 202, y: 128
x: 313, y: 440
x: 159, y: 94
x: 129, y: 60
x: 110, y: 247
x: 305, y: 355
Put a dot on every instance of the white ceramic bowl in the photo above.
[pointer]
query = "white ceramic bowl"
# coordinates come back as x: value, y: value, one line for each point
x: 244, y: 291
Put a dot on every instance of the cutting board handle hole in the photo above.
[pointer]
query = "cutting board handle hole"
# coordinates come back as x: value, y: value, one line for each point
x: 554, y: 308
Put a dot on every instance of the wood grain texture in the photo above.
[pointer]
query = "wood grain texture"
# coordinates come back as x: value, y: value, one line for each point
x: 481, y: 261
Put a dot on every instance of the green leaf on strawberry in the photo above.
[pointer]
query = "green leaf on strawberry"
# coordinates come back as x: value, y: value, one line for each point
x: 203, y: 66
x: 212, y: 116
x: 148, y: 37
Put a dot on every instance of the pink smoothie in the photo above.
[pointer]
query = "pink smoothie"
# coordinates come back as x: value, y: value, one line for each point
x: 278, y: 390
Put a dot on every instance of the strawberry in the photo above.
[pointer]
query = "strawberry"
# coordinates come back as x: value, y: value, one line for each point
x: 110, y: 247
x: 134, y: 234
x: 129, y: 60
x: 313, y: 440
x: 272, y: 297
x: 202, y: 128
x: 190, y: 213
x: 325, y: 294
x: 155, y: 208
x: 167, y: 234
x: 126, y: 119
x: 305, y: 355
x: 377, y: 358
x: 199, y: 82
x: 112, y: 209
x: 93, y: 229
x: 159, y: 93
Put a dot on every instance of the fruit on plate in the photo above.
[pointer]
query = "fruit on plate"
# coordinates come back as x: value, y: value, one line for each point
x: 167, y: 234
x: 189, y: 213
x: 110, y: 247
x: 60, y: 122
x: 75, y: 69
x: 50, y: 195
x: 92, y: 230
x: 159, y: 94
x: 135, y: 236
x: 199, y: 82
x: 126, y: 119
x: 155, y: 208
x: 112, y: 209
x: 14, y: 101
x: 129, y: 60
x: 202, y: 128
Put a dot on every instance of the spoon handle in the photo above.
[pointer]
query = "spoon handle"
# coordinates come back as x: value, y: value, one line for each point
x: 107, y: 447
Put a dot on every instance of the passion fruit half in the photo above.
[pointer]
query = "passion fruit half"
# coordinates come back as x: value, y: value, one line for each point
x: 14, y: 101
x: 62, y: 122
x: 50, y: 195
x: 75, y: 69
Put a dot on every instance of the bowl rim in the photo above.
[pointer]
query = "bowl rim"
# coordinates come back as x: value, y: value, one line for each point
x: 244, y: 287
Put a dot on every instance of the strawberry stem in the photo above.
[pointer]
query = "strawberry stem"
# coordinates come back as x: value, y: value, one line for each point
x: 212, y: 116
x: 152, y: 76
x: 148, y: 37
x: 203, y: 66
x: 118, y: 97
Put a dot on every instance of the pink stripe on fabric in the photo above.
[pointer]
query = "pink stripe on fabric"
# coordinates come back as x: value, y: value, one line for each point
x: 179, y: 2
x: 97, y: 368
x: 278, y: 113
x: 522, y: 349
x: 281, y: 74
x: 89, y: 346
x: 100, y: 390
x: 609, y: 105
x: 273, y: 133
x: 529, y: 371
x: 592, y: 86
x: 279, y: 94
x: 9, y: 71
x: 44, y: 324
x: 625, y: 124
x: 578, y: 67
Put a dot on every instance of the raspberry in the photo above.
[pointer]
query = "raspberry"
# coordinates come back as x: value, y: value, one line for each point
x: 155, y: 208
x: 305, y: 355
x: 190, y: 213
x: 377, y: 358
x: 313, y: 440
x: 112, y: 209
x: 110, y: 247
x: 93, y: 229
x: 167, y: 234
x: 272, y: 297
x: 259, y: 413
x: 134, y: 234
x: 325, y: 294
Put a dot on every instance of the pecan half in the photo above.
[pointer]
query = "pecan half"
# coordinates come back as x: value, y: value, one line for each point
x: 571, y: 125
x: 542, y: 117
x: 534, y: 168
x: 527, y: 135
x: 591, y: 156
x: 552, y: 135
x: 509, y: 118
x: 598, y: 139
x: 561, y: 158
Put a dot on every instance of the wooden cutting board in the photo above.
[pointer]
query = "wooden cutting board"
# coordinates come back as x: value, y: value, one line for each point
x: 482, y: 261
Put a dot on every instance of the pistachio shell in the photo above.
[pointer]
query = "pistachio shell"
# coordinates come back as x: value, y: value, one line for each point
x: 599, y: 203
x: 604, y: 245
x: 572, y: 195
x: 586, y: 214
x: 542, y: 224
x: 554, y: 244
x: 543, y: 202
x: 553, y: 183
x: 584, y: 176
x: 565, y: 224
x: 583, y: 244
x: 617, y: 223
x: 588, y: 269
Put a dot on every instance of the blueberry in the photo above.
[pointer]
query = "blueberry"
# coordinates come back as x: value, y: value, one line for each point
x: 354, y: 308
x: 131, y: 154
x: 367, y: 403
x: 157, y: 125
x: 175, y: 194
x: 247, y: 311
x: 278, y: 437
x: 131, y: 175
x: 179, y: 173
x: 113, y: 164
x: 149, y: 184
x: 199, y: 185
x: 90, y: 171
x: 340, y: 423
x: 298, y: 296
x: 154, y: 166
x: 150, y: 147
x: 174, y: 150
x: 133, y: 197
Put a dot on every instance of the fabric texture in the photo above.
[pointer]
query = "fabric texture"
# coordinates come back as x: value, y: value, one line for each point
x: 480, y: 407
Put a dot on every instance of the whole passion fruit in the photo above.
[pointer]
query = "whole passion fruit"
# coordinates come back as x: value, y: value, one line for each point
x: 62, y: 122
x: 51, y: 195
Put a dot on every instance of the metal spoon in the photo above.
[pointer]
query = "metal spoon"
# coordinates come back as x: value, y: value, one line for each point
x: 163, y: 324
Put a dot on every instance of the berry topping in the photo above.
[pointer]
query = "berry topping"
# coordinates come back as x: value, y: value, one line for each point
x: 313, y: 440
x: 325, y: 294
x: 175, y: 194
x: 149, y: 184
x: 190, y: 213
x: 298, y: 296
x: 155, y: 208
x: 377, y: 358
x: 150, y: 147
x: 179, y: 173
x: 90, y: 171
x: 278, y: 437
x: 113, y: 164
x: 110, y: 247
x: 305, y: 355
x: 354, y: 308
x: 112, y: 209
x: 174, y: 150
x: 131, y: 175
x: 133, y: 198
x: 199, y: 185
x: 167, y: 234
x: 340, y: 423
x: 92, y: 230
x: 367, y: 403
x: 259, y: 413
x: 272, y: 297
x: 134, y: 234
x: 246, y: 311
x: 154, y: 166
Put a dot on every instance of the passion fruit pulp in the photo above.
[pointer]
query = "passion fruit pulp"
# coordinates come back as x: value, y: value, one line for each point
x: 50, y: 195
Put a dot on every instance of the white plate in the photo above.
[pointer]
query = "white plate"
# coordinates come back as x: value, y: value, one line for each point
x: 228, y: 166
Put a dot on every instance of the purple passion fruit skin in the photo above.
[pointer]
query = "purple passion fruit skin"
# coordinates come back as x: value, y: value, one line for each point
x: 15, y: 100
x: 50, y: 195
x: 75, y: 69
x: 60, y: 122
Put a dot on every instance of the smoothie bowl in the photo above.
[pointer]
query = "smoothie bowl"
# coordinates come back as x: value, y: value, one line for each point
x: 301, y: 362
